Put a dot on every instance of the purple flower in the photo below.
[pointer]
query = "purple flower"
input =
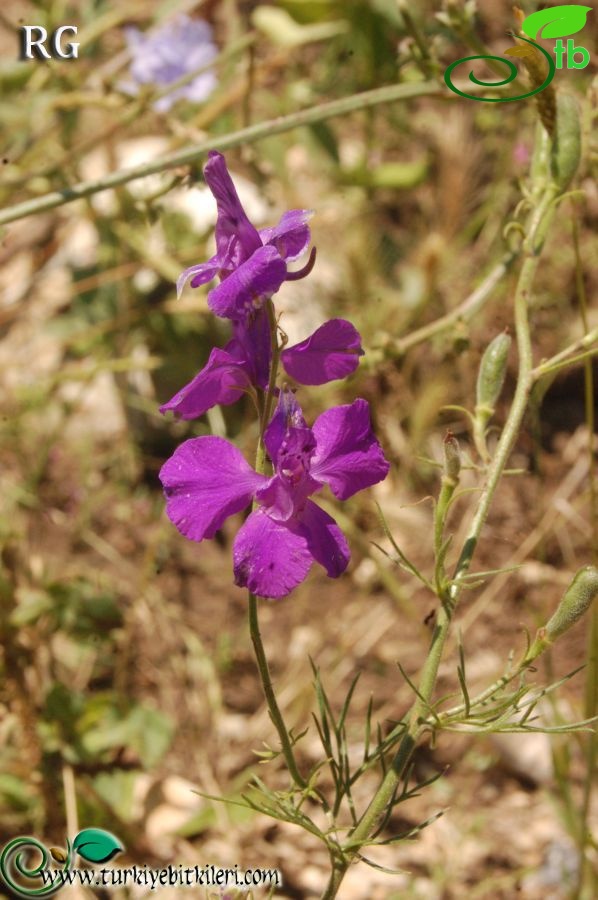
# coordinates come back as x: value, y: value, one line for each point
x: 251, y: 264
x: 332, y: 352
x: 207, y: 479
x: 165, y: 54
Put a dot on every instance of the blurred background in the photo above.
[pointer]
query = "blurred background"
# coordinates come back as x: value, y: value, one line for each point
x: 128, y: 683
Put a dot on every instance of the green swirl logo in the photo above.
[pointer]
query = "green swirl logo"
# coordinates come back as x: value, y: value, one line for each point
x: 17, y: 868
x: 513, y: 73
x: 555, y: 22
x: 14, y: 866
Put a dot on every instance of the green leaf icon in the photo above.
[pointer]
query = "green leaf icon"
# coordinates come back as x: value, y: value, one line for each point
x: 96, y: 845
x: 560, y: 21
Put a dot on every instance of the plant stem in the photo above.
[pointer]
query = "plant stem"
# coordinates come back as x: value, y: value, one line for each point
x: 254, y: 627
x: 273, y: 708
x: 565, y: 357
x: 259, y: 131
x: 587, y: 876
x: 537, y: 228
x: 464, y: 311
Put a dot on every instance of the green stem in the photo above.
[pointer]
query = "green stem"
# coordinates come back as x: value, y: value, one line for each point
x: 538, y: 225
x: 550, y: 368
x: 464, y: 311
x: 259, y: 131
x: 254, y: 627
x: 587, y: 876
x: 273, y: 708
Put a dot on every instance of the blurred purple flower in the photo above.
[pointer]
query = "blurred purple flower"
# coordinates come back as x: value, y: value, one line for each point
x: 207, y: 479
x: 163, y: 55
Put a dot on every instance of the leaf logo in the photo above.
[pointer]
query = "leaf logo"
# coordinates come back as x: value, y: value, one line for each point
x: 557, y: 21
x: 96, y: 845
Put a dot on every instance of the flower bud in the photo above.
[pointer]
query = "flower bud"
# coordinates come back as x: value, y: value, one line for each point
x: 566, y: 143
x: 575, y: 603
x: 491, y: 375
x: 452, y: 456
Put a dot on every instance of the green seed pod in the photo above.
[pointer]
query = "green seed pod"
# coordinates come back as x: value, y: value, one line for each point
x: 575, y: 603
x: 452, y: 456
x: 491, y: 375
x: 566, y: 142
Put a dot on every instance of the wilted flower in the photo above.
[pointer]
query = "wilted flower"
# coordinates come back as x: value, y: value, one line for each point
x: 167, y: 53
x: 207, y: 479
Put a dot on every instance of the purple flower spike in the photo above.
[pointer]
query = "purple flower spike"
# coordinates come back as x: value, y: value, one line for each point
x: 165, y: 54
x: 206, y: 480
x: 251, y: 264
x: 332, y: 352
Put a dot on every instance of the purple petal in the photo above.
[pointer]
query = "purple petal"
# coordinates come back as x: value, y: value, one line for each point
x: 270, y: 558
x: 348, y: 457
x: 236, y: 238
x: 331, y: 352
x: 325, y: 540
x: 198, y: 274
x: 223, y: 380
x: 206, y: 480
x: 246, y: 287
x: 291, y: 236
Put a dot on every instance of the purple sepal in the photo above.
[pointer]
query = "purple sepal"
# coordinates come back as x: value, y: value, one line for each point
x: 245, y: 288
x: 236, y: 238
x: 270, y: 557
x: 325, y: 540
x: 291, y: 236
x: 331, y: 352
x: 224, y: 379
x: 348, y: 456
x: 199, y: 274
x: 206, y: 480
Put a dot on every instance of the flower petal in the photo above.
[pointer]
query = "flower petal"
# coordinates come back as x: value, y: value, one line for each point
x: 348, y: 457
x: 236, y: 238
x: 252, y: 335
x: 199, y: 274
x: 325, y: 540
x: 223, y: 380
x: 242, y: 291
x: 205, y: 481
x: 288, y: 414
x: 331, y: 352
x: 270, y: 558
x: 291, y: 236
